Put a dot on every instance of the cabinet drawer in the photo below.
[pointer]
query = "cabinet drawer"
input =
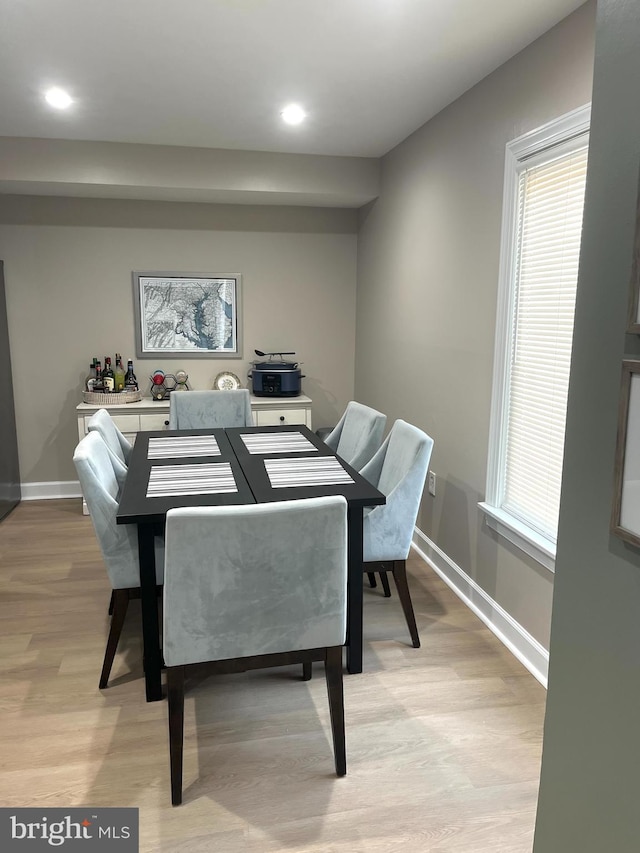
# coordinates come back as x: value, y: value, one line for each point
x: 125, y: 423
x: 273, y: 417
x: 151, y: 422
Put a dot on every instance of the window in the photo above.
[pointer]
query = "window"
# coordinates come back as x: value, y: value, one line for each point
x: 545, y: 175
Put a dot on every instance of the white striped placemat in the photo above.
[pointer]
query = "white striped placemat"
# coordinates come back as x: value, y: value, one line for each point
x: 277, y: 442
x: 168, y: 480
x: 176, y: 446
x: 318, y: 471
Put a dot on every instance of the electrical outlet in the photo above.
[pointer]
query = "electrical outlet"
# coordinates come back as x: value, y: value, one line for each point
x: 432, y: 483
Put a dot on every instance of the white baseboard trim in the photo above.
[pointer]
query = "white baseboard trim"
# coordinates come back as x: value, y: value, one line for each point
x: 520, y: 643
x: 50, y: 490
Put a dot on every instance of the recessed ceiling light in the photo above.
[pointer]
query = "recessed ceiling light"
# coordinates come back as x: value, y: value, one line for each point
x: 293, y: 114
x: 58, y: 98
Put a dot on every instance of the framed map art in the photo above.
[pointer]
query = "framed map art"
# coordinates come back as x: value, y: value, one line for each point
x: 190, y: 315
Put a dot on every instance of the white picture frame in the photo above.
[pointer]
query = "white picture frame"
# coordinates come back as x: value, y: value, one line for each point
x: 191, y: 315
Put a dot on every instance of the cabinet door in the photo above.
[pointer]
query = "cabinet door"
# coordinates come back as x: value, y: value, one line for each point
x: 152, y: 422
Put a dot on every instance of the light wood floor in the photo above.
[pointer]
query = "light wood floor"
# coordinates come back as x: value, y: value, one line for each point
x: 443, y: 742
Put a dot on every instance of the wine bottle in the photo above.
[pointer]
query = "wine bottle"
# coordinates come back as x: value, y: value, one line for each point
x: 98, y: 384
x: 130, y: 381
x: 118, y: 373
x: 108, y: 377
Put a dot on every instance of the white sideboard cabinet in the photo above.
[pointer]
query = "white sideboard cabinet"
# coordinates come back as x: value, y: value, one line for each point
x: 148, y: 414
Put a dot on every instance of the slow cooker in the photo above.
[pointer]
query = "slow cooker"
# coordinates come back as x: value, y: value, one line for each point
x: 276, y: 377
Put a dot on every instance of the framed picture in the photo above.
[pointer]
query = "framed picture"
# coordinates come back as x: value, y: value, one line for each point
x: 625, y: 519
x: 633, y: 325
x: 190, y: 315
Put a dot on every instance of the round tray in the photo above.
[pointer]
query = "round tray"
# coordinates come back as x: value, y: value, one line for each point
x: 113, y: 399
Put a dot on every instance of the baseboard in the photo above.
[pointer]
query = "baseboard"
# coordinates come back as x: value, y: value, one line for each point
x: 50, y: 490
x: 520, y: 643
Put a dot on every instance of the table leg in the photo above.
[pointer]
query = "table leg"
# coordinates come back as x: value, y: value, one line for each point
x: 354, y: 592
x: 149, y: 602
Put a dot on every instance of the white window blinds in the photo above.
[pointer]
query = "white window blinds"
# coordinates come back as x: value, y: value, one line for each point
x: 550, y: 205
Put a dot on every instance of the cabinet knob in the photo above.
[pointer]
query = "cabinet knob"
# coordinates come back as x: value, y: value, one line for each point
x: 166, y: 423
x: 281, y: 417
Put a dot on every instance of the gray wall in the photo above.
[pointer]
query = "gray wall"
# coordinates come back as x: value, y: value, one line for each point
x: 589, y: 784
x: 428, y: 257
x: 68, y: 266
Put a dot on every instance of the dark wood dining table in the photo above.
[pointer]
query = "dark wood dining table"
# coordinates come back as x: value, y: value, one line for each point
x: 147, y: 506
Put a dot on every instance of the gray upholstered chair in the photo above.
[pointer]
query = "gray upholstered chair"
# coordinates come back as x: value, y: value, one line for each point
x: 398, y: 470
x: 357, y: 435
x: 120, y: 446
x: 97, y: 472
x: 210, y: 409
x: 254, y: 586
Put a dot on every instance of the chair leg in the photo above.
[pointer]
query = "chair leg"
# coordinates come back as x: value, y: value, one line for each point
x: 333, y: 673
x: 400, y: 577
x: 120, y: 605
x: 372, y: 579
x: 175, y: 693
x: 384, y: 580
x: 111, y: 603
x: 307, y: 671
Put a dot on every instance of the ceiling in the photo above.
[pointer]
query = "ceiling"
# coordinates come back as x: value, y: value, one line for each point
x: 215, y: 73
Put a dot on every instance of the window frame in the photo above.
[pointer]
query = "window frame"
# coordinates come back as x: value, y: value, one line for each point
x: 565, y: 132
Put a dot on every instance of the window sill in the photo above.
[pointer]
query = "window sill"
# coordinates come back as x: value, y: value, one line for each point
x: 520, y: 535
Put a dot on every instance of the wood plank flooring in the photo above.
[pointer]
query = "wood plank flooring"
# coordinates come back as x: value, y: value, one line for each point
x: 443, y: 742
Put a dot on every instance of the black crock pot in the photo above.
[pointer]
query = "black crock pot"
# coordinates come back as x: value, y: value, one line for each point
x: 276, y: 378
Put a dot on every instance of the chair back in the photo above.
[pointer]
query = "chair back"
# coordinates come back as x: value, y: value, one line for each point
x: 398, y: 470
x: 254, y: 579
x: 102, y: 422
x: 210, y: 409
x: 100, y: 488
x: 358, y: 434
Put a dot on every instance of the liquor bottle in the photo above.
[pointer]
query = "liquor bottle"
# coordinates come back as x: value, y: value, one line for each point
x: 130, y: 381
x: 91, y: 378
x: 108, y: 377
x: 98, y: 384
x: 118, y: 373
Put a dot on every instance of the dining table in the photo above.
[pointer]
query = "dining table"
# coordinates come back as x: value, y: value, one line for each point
x: 232, y: 466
